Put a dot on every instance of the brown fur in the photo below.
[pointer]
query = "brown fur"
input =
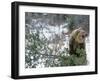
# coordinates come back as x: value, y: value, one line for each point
x: 77, y: 41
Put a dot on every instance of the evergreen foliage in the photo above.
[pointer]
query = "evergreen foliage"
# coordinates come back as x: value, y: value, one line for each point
x: 38, y: 52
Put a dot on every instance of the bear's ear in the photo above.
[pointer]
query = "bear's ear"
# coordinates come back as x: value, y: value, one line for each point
x: 80, y: 28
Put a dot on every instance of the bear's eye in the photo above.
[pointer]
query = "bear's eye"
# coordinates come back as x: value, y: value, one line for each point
x: 83, y: 36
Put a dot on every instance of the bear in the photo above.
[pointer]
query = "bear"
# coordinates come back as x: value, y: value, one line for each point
x: 77, y: 42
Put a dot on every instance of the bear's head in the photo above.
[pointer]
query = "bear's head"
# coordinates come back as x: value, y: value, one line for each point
x: 79, y: 35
